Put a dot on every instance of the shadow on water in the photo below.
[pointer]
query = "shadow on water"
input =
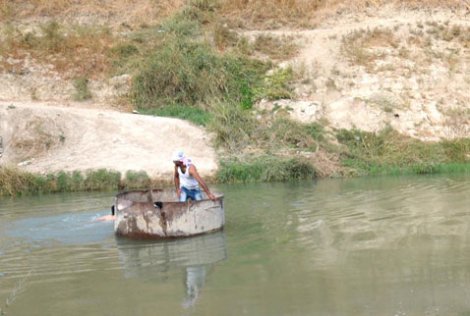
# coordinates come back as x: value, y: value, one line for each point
x: 153, y: 259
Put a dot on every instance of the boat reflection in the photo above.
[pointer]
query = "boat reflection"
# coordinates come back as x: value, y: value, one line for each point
x: 152, y: 260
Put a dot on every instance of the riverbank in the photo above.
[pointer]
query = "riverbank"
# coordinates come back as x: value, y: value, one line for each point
x: 372, y: 89
x: 14, y: 182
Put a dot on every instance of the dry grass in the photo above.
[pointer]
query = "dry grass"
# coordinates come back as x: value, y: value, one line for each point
x: 459, y: 119
x: 132, y: 13
x: 360, y: 46
x: 255, y: 13
x: 277, y: 48
x: 328, y: 164
x: 271, y: 14
x: 274, y: 14
x: 76, y: 51
x: 419, y: 47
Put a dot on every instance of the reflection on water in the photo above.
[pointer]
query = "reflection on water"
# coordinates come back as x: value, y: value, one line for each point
x: 151, y: 259
x: 140, y: 258
x: 369, y: 246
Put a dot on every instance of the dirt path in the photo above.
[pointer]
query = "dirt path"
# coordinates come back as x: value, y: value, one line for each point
x: 49, y: 138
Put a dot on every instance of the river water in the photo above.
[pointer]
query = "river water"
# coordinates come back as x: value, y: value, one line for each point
x: 368, y: 246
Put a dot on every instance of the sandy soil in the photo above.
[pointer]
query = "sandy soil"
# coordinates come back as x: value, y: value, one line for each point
x: 40, y: 137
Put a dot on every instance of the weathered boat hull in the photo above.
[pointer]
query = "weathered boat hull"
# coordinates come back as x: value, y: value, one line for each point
x: 157, y: 214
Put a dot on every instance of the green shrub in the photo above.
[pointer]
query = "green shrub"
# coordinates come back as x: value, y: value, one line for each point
x: 183, y: 69
x: 186, y: 72
x: 181, y: 72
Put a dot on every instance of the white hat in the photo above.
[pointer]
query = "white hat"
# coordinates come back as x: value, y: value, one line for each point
x: 178, y: 155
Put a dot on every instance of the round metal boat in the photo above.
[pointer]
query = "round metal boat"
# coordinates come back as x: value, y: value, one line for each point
x: 157, y: 213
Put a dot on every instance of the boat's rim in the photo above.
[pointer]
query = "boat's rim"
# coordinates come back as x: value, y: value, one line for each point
x: 121, y: 196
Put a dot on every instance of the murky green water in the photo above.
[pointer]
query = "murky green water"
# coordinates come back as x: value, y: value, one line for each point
x: 383, y: 246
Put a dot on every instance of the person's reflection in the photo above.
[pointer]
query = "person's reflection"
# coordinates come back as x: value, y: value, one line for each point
x: 194, y: 281
x: 196, y: 256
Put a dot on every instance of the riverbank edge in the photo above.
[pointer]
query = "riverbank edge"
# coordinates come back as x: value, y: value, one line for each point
x: 15, y: 182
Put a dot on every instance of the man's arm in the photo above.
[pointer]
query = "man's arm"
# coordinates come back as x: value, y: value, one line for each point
x: 195, y: 174
x: 177, y: 182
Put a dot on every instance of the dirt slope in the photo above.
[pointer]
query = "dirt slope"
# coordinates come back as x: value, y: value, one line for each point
x: 41, y: 137
x: 414, y: 77
x: 408, y: 69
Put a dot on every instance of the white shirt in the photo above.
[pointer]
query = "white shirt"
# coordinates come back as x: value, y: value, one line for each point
x: 187, y: 180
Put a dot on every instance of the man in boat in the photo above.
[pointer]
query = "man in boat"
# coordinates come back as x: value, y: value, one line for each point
x: 187, y: 180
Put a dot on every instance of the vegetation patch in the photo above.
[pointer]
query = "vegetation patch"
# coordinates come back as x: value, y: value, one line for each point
x: 276, y: 47
x: 389, y: 152
x: 74, y: 50
x: 285, y: 132
x: 82, y: 92
x: 186, y: 70
x: 234, y: 127
x: 357, y: 45
x: 265, y: 169
x: 278, y: 85
x: 185, y: 76
x: 14, y: 182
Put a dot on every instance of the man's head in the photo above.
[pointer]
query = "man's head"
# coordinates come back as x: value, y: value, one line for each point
x: 178, y: 157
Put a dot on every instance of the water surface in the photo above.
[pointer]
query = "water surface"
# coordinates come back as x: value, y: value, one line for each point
x: 369, y: 246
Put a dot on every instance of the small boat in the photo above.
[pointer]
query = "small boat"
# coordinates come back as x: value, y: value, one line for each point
x: 157, y: 213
